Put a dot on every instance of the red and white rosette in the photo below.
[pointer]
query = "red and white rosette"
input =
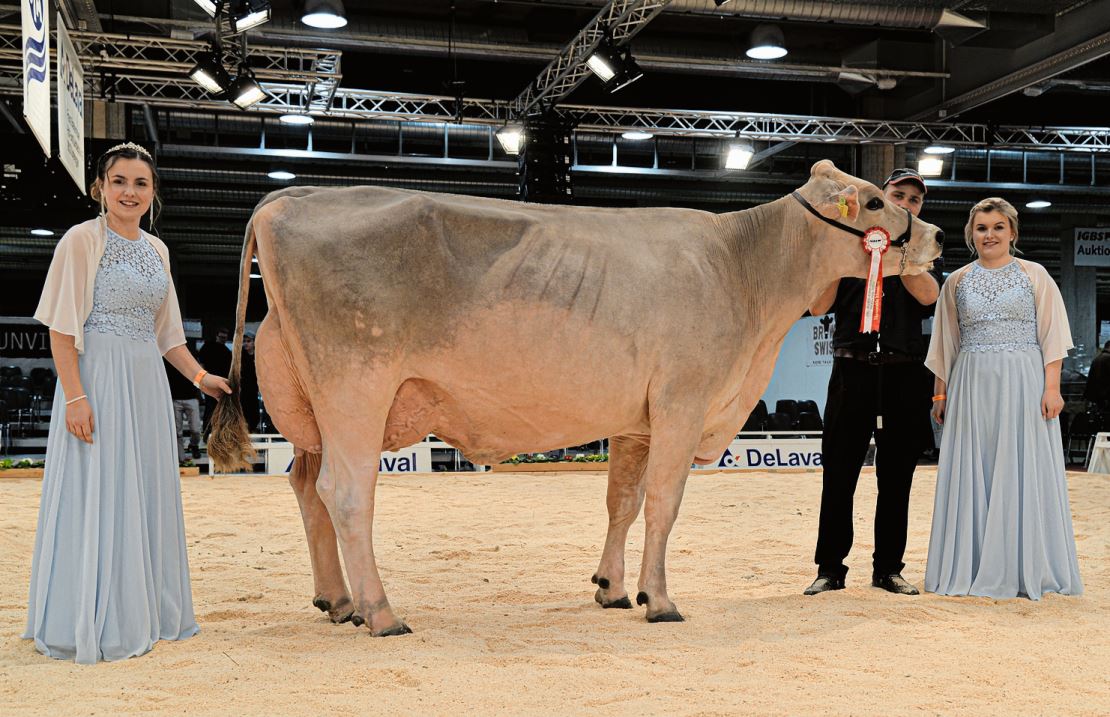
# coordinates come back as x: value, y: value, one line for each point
x: 876, y: 241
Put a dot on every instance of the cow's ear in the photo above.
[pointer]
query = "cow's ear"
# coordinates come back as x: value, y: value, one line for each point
x: 823, y: 168
x: 844, y: 205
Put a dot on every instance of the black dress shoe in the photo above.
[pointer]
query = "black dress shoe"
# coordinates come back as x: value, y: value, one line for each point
x: 824, y: 583
x: 893, y: 584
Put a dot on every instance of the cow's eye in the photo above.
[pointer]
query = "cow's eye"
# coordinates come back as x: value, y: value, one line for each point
x: 875, y: 204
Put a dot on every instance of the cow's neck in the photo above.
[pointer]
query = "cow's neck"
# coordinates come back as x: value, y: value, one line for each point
x: 782, y: 254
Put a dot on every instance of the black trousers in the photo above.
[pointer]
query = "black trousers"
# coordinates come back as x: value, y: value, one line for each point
x: 858, y: 393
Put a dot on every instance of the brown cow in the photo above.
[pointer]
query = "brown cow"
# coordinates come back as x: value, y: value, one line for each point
x: 504, y: 327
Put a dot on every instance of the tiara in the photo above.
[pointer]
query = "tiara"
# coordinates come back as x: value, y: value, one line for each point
x: 133, y: 147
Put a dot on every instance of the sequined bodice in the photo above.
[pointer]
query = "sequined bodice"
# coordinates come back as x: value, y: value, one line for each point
x: 129, y: 290
x: 996, y: 309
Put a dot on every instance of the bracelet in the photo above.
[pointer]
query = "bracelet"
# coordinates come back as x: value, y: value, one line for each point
x: 75, y: 400
x: 940, y: 397
x: 199, y: 377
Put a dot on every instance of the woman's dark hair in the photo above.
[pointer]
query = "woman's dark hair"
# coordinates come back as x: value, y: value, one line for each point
x: 128, y: 150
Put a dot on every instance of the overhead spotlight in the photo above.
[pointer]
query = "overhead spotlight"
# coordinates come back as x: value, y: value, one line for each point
x: 511, y: 137
x: 282, y: 175
x: 930, y: 166
x: 209, y: 6
x: 603, y: 61
x: 886, y: 83
x: 246, y: 14
x: 637, y: 135
x: 324, y: 14
x: 1038, y: 204
x: 1033, y: 90
x: 939, y: 149
x: 767, y: 43
x: 721, y: 2
x: 293, y: 118
x: 48, y: 233
x: 739, y: 154
x: 210, y: 74
x: 245, y: 90
x: 614, y: 66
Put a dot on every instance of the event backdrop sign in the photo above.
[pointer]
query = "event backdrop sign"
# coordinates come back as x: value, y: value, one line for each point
x: 804, y: 364
x: 36, y: 70
x: 71, y: 108
x: 1092, y: 246
x: 23, y: 340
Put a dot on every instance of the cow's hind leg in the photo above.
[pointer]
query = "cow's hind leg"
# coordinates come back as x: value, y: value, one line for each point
x: 674, y: 440
x: 624, y: 496
x: 327, y: 572
x: 353, y: 430
x: 289, y: 408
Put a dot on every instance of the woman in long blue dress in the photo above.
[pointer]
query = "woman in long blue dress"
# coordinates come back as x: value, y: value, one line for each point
x: 110, y: 574
x: 1001, y: 520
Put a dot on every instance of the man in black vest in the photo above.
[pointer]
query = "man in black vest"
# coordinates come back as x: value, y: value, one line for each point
x: 874, y: 390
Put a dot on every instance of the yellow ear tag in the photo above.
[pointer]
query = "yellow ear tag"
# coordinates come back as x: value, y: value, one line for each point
x: 842, y: 205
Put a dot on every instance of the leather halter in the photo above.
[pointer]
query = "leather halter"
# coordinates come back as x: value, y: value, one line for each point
x: 901, y: 241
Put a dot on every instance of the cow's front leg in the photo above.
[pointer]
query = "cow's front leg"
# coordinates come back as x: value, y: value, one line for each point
x: 346, y: 485
x: 669, y: 458
x: 625, y: 495
x: 331, y: 594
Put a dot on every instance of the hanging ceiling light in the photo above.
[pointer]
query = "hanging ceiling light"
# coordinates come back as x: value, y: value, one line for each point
x: 614, y: 66
x: 939, y: 149
x: 209, y: 6
x: 930, y: 166
x: 767, y: 43
x: 637, y: 135
x: 739, y: 154
x: 511, y: 137
x: 48, y: 233
x: 1038, y: 204
x: 282, y: 175
x: 324, y: 14
x: 245, y: 90
x: 294, y: 118
x: 246, y: 14
x: 210, y: 74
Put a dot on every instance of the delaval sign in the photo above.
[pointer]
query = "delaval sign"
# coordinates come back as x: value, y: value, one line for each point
x: 1092, y: 246
x: 36, y: 70
x: 768, y: 454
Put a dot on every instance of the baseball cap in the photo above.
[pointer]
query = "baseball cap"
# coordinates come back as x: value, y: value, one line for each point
x: 905, y: 174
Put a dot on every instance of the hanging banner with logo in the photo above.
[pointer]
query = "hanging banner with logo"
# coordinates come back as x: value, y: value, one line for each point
x: 36, y: 70
x: 71, y: 108
x: 1092, y: 246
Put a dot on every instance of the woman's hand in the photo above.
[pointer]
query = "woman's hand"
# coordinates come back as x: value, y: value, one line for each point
x: 938, y: 411
x: 79, y: 420
x: 1052, y: 403
x: 214, y: 385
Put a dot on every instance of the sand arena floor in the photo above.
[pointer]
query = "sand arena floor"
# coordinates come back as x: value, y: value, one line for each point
x: 492, y: 572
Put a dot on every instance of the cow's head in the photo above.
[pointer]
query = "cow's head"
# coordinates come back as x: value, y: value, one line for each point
x: 858, y: 205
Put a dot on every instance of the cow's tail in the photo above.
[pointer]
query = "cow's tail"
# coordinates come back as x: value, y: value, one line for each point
x: 229, y: 444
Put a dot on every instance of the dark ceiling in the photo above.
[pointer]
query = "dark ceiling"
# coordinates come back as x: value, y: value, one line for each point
x: 213, y: 171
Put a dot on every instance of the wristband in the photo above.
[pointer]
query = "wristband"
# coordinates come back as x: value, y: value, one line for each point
x: 199, y: 377
x: 940, y: 397
x: 75, y: 400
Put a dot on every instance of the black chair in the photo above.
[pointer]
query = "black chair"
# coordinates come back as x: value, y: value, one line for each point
x: 9, y: 375
x: 1081, y: 433
x: 758, y: 417
x: 40, y: 376
x: 808, y: 407
x: 788, y: 407
x: 808, y: 421
x: 5, y: 429
x: 19, y: 403
x: 780, y: 421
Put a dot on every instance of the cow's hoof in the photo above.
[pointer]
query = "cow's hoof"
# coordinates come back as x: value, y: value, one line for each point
x: 623, y: 603
x: 666, y: 617
x: 603, y: 583
x: 641, y: 598
x: 398, y: 629
x: 357, y: 620
x: 341, y: 617
x: 322, y: 604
